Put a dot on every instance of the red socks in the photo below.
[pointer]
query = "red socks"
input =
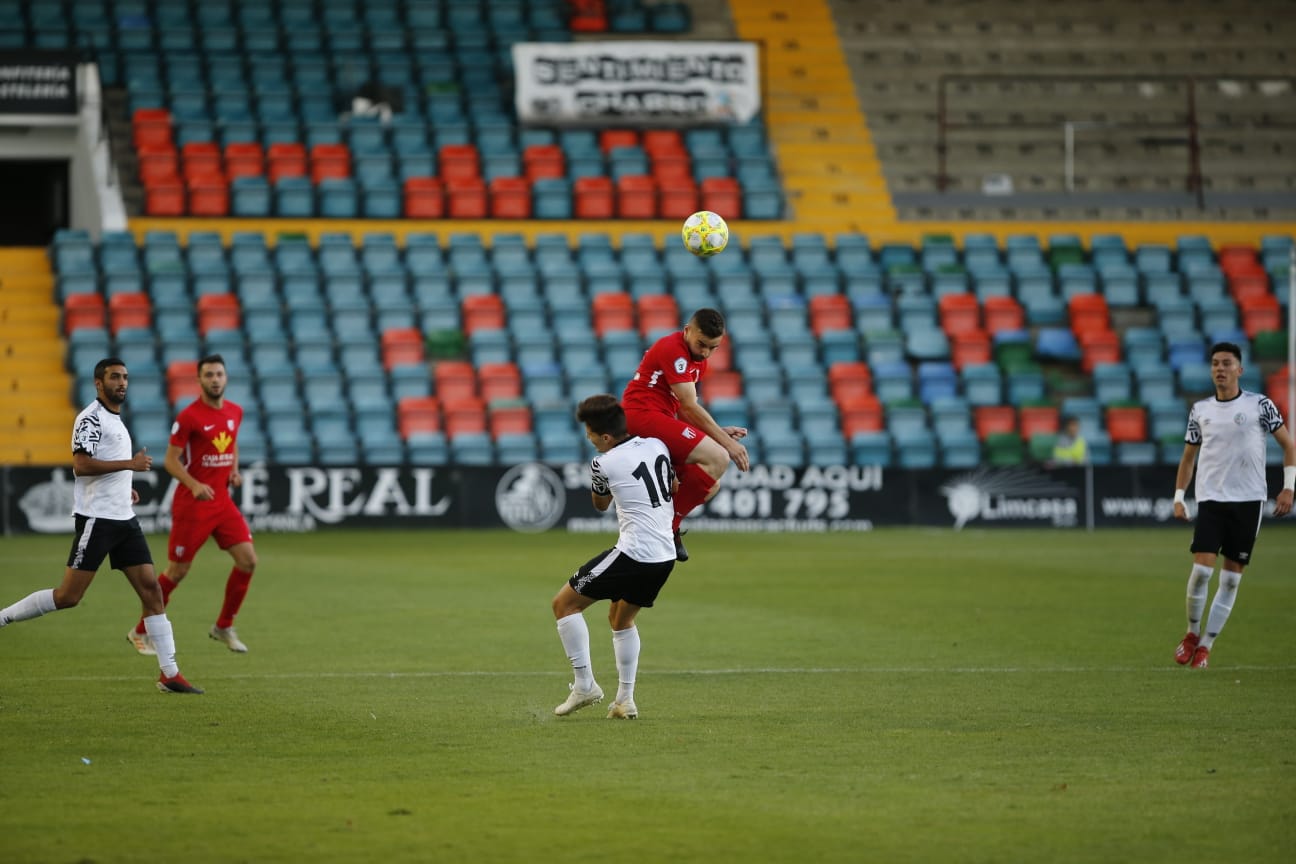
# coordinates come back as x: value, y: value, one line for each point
x: 695, y: 485
x: 236, y: 588
x: 167, y: 587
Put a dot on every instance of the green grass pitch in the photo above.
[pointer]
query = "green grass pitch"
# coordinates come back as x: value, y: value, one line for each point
x: 897, y: 696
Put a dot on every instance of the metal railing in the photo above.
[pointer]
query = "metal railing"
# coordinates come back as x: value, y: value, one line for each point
x: 1184, y: 132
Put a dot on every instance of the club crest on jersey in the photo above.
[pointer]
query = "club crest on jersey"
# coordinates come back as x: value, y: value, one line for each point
x: 222, y: 442
x: 229, y: 424
x: 680, y: 365
x: 1239, y: 419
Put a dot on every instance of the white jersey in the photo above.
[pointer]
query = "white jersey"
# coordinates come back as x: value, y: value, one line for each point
x: 638, y: 473
x: 1231, y: 462
x: 100, y: 433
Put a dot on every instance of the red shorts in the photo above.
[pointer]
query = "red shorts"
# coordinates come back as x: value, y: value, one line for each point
x: 679, y: 437
x: 193, y: 523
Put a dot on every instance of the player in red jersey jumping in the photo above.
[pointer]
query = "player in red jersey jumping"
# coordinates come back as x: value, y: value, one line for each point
x: 203, y: 456
x: 661, y: 401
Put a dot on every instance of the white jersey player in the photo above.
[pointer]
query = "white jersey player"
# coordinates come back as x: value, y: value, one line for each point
x: 636, y: 475
x: 1225, y: 442
x: 105, y: 522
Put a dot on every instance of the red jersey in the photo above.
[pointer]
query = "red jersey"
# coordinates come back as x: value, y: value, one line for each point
x: 667, y: 362
x: 207, y: 435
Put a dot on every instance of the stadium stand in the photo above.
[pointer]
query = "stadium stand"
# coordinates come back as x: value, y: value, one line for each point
x: 361, y: 327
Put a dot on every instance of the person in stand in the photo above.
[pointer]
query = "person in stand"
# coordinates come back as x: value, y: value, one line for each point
x: 635, y: 474
x: 105, y: 523
x: 661, y: 401
x: 1070, y: 448
x: 1225, y: 443
x: 203, y: 457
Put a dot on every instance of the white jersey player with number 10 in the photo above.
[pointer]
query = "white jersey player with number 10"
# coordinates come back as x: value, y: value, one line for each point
x: 636, y: 475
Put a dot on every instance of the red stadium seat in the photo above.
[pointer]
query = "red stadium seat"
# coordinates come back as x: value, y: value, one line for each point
x: 994, y: 420
x: 151, y: 126
x: 959, y: 313
x: 182, y: 381
x: 510, y: 198
x: 612, y: 138
x: 830, y: 312
x: 543, y: 160
x: 658, y: 312
x: 244, y: 159
x: 510, y: 418
x: 1003, y: 313
x: 424, y: 198
x: 417, y: 414
x: 862, y: 413
x: 849, y: 380
x: 463, y: 416
x: 637, y: 197
x: 722, y: 385
x: 972, y: 346
x: 459, y: 162
x: 595, y: 197
x: 402, y: 346
x: 499, y: 381
x: 130, y: 309
x: 678, y: 197
x: 1098, y: 346
x: 1037, y: 419
x: 208, y: 196
x: 1088, y: 312
x: 483, y: 312
x: 1261, y: 312
x: 722, y: 195
x: 329, y: 161
x: 218, y: 312
x: 1127, y: 423
x: 612, y: 310
x: 663, y: 141
x: 455, y: 380
x: 83, y: 310
x: 467, y: 198
x: 721, y: 359
x: 164, y: 198
x: 286, y: 159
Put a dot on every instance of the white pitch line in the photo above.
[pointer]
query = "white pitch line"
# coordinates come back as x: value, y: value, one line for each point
x: 893, y: 670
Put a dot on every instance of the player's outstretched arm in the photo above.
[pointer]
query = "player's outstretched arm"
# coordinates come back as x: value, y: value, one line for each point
x: 691, y: 411
x: 1283, y: 503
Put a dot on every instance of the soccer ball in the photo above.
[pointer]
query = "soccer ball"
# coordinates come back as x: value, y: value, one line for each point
x: 705, y: 233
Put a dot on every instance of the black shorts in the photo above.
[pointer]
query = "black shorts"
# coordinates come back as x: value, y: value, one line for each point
x: 1227, y: 528
x: 614, y: 575
x: 121, y: 541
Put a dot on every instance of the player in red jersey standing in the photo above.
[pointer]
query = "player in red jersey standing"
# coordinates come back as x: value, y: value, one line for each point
x: 661, y: 401
x: 203, y: 456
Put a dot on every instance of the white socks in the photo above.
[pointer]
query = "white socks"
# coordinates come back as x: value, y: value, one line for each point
x: 32, y: 606
x: 574, y: 634
x: 625, y: 645
x: 1198, y: 587
x: 159, y: 632
x: 1221, y: 606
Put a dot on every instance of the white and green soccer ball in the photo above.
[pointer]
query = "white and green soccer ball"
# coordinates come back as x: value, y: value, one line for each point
x: 705, y: 233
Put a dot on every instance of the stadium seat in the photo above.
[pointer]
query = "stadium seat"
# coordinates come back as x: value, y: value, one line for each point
x: 401, y: 346
x: 217, y: 312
